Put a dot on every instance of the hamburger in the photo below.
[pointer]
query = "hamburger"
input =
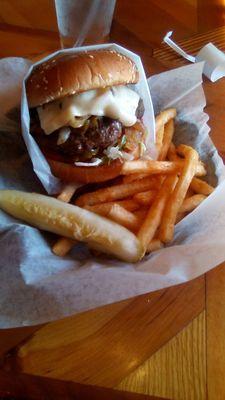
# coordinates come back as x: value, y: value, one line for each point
x: 86, y: 115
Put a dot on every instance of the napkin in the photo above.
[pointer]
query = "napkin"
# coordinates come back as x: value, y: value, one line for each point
x: 214, y: 59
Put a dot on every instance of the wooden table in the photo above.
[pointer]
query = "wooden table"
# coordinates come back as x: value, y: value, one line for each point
x: 169, y: 343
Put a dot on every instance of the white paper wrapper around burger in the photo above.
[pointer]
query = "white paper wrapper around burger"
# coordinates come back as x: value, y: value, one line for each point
x: 37, y: 286
x: 40, y: 165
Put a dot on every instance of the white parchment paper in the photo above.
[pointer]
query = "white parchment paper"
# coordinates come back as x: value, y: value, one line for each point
x: 37, y: 286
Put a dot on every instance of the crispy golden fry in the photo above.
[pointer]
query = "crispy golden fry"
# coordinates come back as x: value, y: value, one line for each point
x: 116, y: 192
x: 151, y: 167
x: 173, y: 156
x: 181, y: 151
x: 67, y: 193
x: 104, y: 208
x: 191, y: 203
x: 177, y: 196
x: 63, y: 246
x: 145, y: 198
x: 153, y: 218
x: 200, y: 169
x: 154, y: 245
x: 189, y: 193
x: 123, y: 217
x: 159, y: 138
x: 167, y: 138
x: 201, y: 187
x: 135, y: 177
x: 141, y: 214
x: 172, y: 153
x: 164, y: 117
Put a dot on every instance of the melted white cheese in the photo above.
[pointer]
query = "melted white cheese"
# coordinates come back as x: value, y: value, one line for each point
x: 63, y: 135
x: 118, y: 102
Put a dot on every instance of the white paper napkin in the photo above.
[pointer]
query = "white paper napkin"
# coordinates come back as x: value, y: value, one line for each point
x: 214, y: 59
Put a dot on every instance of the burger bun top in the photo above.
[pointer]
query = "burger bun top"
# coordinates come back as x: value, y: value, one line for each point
x: 75, y: 73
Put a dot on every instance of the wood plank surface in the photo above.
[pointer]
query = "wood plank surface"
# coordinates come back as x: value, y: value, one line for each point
x: 104, y: 355
x: 150, y: 20
x: 26, y: 387
x: 191, y: 45
x: 26, y: 42
x: 29, y: 14
x: 215, y: 302
x: 9, y: 338
x: 177, y: 370
x: 215, y: 108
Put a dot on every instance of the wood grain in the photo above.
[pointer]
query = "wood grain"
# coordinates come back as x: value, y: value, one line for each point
x: 29, y: 14
x: 211, y: 14
x: 215, y: 306
x: 25, y: 42
x: 26, y: 386
x: 177, y: 370
x: 185, y: 12
x: 150, y: 20
x: 191, y: 45
x: 54, y: 350
x: 10, y: 338
x: 215, y: 108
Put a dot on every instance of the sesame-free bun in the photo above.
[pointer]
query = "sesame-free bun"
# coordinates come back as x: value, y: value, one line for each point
x: 75, y: 73
x: 72, y: 173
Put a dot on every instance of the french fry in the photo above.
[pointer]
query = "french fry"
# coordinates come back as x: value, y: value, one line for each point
x: 164, y: 117
x: 141, y: 214
x: 172, y: 153
x: 173, y: 156
x: 116, y: 192
x: 151, y: 167
x: 177, y: 196
x: 153, y: 218
x: 154, y: 245
x: 145, y: 198
x: 63, y: 246
x: 200, y: 169
x: 104, y: 208
x: 189, y: 193
x: 67, y: 193
x: 167, y: 138
x: 201, y: 187
x: 159, y: 138
x: 123, y: 217
x: 134, y: 177
x: 191, y: 203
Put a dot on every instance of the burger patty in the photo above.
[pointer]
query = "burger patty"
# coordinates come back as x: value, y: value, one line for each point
x: 93, y: 138
x: 83, y: 143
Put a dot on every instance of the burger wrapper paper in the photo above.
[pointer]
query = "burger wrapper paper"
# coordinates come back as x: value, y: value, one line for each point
x: 37, y: 286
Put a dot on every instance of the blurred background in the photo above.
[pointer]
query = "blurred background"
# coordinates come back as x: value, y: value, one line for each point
x: 136, y: 24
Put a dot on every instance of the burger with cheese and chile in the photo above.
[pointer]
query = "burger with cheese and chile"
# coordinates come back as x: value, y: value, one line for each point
x: 85, y: 115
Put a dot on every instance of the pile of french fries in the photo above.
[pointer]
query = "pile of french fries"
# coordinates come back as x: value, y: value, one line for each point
x: 153, y: 195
